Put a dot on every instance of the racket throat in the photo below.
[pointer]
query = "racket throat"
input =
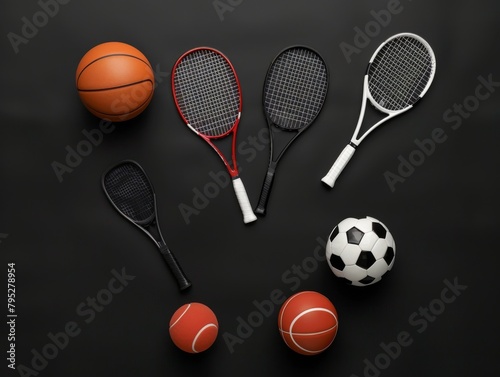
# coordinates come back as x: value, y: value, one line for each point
x: 226, y: 147
x: 369, y: 120
x: 154, y: 232
x: 280, y: 140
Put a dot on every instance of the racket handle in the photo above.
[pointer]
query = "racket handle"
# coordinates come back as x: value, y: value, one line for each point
x: 175, y: 267
x: 241, y: 194
x: 264, y: 194
x: 339, y: 165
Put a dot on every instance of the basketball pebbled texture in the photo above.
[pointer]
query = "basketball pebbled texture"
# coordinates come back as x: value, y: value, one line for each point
x: 308, y: 322
x: 115, y: 81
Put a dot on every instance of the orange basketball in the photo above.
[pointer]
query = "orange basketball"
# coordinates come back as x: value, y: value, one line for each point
x: 308, y: 322
x: 194, y: 327
x: 115, y: 81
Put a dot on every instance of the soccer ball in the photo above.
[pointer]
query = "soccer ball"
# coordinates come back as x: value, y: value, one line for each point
x: 360, y: 251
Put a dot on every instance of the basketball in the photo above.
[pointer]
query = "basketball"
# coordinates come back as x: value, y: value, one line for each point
x: 194, y: 327
x: 308, y: 323
x: 115, y: 81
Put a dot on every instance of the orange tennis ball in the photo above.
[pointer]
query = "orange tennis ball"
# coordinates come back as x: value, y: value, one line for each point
x: 194, y: 327
x: 308, y: 322
x: 115, y: 81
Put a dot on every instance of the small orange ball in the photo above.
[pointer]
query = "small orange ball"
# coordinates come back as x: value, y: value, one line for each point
x: 194, y: 327
x: 308, y: 322
x: 115, y: 81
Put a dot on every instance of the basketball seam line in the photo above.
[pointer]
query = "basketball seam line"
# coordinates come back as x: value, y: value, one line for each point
x: 107, y: 56
x: 124, y: 114
x: 304, y: 313
x: 309, y: 334
x: 115, y: 87
x: 286, y: 304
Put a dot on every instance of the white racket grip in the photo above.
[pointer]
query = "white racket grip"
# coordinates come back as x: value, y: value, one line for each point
x: 339, y: 165
x: 241, y: 194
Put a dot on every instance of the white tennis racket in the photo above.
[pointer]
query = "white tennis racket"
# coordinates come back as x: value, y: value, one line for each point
x: 398, y: 75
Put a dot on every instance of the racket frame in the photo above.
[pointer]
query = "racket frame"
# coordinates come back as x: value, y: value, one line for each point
x: 232, y: 167
x: 143, y: 223
x: 367, y: 94
x: 349, y: 150
x: 270, y: 123
x: 150, y: 222
x: 273, y: 161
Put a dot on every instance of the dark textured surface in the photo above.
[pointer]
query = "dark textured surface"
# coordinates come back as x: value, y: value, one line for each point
x: 66, y: 239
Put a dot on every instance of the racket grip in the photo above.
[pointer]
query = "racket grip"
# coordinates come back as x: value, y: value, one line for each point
x: 241, y: 194
x: 264, y: 194
x: 339, y: 165
x: 175, y: 268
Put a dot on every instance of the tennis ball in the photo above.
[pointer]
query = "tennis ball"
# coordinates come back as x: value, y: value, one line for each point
x: 308, y: 322
x: 194, y: 327
x: 115, y: 81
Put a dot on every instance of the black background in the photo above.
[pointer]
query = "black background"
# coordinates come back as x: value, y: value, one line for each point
x: 65, y: 238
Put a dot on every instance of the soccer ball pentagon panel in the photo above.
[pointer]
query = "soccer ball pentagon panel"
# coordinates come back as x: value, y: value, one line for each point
x: 360, y: 251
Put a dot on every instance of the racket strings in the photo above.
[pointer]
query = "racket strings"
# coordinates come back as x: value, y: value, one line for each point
x: 400, y: 73
x: 296, y: 88
x: 130, y: 191
x: 207, y: 92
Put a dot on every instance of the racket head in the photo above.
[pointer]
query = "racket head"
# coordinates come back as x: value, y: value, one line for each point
x: 295, y: 88
x: 130, y: 191
x: 400, y: 72
x: 207, y: 92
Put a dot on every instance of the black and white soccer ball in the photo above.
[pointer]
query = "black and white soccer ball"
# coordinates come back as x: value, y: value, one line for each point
x: 360, y: 251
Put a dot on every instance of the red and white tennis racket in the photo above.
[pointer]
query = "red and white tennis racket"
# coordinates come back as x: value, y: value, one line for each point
x: 207, y: 94
x: 399, y: 74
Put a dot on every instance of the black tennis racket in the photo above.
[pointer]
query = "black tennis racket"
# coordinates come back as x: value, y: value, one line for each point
x: 129, y: 190
x: 207, y: 94
x: 294, y: 93
x: 399, y: 74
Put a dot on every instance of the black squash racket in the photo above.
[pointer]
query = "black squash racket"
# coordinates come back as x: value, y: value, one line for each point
x: 399, y: 74
x: 294, y: 93
x: 207, y: 94
x: 129, y: 190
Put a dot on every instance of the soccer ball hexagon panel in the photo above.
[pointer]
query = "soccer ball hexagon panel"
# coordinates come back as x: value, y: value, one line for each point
x: 360, y: 251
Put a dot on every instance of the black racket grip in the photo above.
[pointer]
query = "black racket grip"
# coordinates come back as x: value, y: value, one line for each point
x: 264, y: 194
x: 175, y: 267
